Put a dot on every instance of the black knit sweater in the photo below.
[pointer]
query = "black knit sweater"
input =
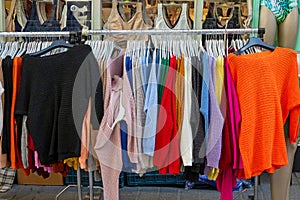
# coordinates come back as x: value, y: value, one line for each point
x: 54, y: 94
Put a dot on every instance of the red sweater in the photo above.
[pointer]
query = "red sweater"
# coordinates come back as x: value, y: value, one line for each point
x: 166, y: 155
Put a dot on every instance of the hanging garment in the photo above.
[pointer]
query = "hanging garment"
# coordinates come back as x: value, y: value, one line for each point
x: 85, y: 160
x: 15, y: 133
x: 145, y: 161
x: 230, y: 161
x: 221, y: 100
x: 167, y: 153
x: 179, y: 92
x: 3, y: 157
x: 66, y: 80
x: 216, y: 121
x: 119, y: 106
x: 186, y: 139
x: 151, y: 108
x: 197, y: 123
x: 196, y: 120
x: 116, y: 22
x: 267, y: 88
x: 161, y: 24
x: 204, y: 107
x: 1, y: 103
x: 7, y: 66
x: 85, y: 136
x: 127, y: 164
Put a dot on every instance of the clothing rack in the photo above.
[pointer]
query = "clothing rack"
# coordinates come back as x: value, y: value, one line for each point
x: 76, y: 35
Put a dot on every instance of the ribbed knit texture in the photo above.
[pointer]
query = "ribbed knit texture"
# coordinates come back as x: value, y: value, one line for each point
x: 267, y: 88
x: 50, y: 90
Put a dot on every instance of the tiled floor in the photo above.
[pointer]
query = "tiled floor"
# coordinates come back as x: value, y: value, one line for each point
x: 23, y: 192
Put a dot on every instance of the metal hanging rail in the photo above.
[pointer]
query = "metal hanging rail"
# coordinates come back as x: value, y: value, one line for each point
x: 135, y: 32
x: 36, y: 34
x: 192, y: 32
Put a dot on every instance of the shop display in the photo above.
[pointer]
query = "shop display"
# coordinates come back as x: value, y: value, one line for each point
x: 179, y: 105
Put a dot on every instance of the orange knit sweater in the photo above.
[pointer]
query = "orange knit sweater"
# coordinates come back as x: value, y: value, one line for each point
x: 268, y: 91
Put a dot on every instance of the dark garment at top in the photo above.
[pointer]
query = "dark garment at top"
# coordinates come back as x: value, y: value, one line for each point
x: 54, y: 93
x: 33, y: 23
x: 7, y: 66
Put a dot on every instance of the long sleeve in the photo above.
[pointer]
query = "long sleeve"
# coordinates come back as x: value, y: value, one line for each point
x: 214, y: 144
x: 167, y: 155
x: 151, y: 110
x: 186, y: 139
x: 265, y: 106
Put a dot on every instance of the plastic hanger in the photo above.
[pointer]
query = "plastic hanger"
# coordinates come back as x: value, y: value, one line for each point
x: 54, y: 45
x: 15, y: 49
x: 189, y: 47
x: 252, y: 42
x: 20, y: 49
x: 102, y: 48
x: 241, y: 42
x: 221, y: 47
x: 23, y: 48
x: 98, y: 49
x: 209, y: 50
x: 148, y: 53
x: 29, y: 47
x: 5, y: 51
x: 183, y: 48
x: 10, y: 49
x: 2, y: 45
x: 215, y: 48
x: 169, y: 48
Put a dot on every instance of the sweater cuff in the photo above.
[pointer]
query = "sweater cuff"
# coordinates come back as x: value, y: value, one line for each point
x: 294, y: 124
